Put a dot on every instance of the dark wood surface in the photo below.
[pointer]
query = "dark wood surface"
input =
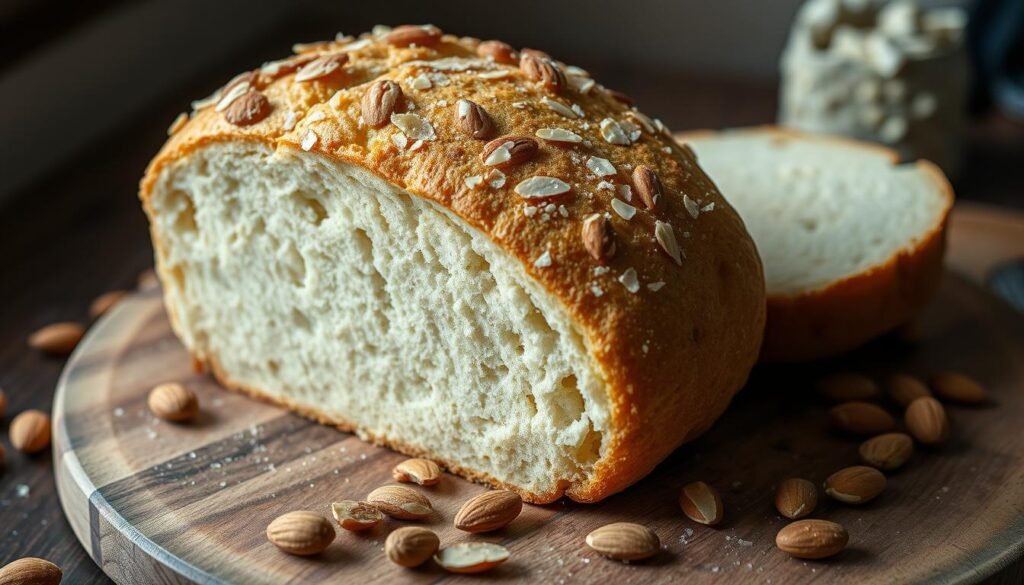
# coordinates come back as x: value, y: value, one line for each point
x: 79, y: 232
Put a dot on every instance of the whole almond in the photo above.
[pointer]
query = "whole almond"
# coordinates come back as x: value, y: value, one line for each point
x: 497, y: 51
x: 648, y: 186
x: 956, y: 387
x: 701, y: 503
x: 904, y: 389
x: 30, y: 431
x: 927, y: 421
x: 796, y: 498
x: 400, y: 502
x: 812, y: 539
x: 542, y: 70
x: 301, y: 533
x: 248, y: 109
x: 471, y: 557
x: 846, y: 387
x: 173, y: 402
x: 411, y: 546
x: 30, y: 571
x: 410, y: 34
x: 861, y: 418
x: 887, y: 452
x: 418, y: 471
x: 598, y: 238
x: 624, y: 541
x: 489, y: 511
x: 855, y: 485
x: 356, y: 516
x: 105, y: 302
x: 57, y: 338
x: 381, y: 100
x: 520, y: 150
x: 473, y: 120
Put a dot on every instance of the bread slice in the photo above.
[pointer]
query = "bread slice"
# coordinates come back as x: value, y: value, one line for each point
x: 391, y: 276
x: 851, y: 240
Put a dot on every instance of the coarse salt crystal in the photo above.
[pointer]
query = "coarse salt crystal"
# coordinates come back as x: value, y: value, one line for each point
x: 309, y: 140
x: 543, y: 261
x: 630, y: 281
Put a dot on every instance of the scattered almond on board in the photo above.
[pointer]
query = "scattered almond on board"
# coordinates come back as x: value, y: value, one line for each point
x: 400, y: 502
x: 624, y: 541
x: 105, y: 302
x: 927, y: 421
x: 57, y: 338
x: 847, y: 387
x: 855, y: 485
x: 418, y: 471
x: 173, y: 402
x: 796, y: 498
x: 904, y: 389
x: 956, y: 387
x: 356, y: 516
x: 411, y: 546
x: 887, y: 452
x: 471, y: 557
x: 30, y: 571
x: 489, y: 511
x: 861, y: 418
x: 701, y: 503
x: 812, y: 539
x: 30, y: 431
x: 301, y: 533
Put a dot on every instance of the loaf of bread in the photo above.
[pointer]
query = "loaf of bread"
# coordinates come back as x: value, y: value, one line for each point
x: 852, y: 241
x: 461, y: 251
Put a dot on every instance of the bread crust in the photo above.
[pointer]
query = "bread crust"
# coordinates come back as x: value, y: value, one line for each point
x: 671, y: 359
x: 848, y: 312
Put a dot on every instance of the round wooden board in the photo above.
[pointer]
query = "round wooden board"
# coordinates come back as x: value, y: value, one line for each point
x: 155, y: 502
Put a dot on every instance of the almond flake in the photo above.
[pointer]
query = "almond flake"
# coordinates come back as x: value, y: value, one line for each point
x: 177, y: 124
x: 601, y: 270
x: 496, y: 179
x: 474, y: 181
x: 605, y: 185
x: 544, y: 261
x: 655, y: 286
x: 596, y: 290
x: 500, y: 155
x: 290, y: 120
x: 236, y: 91
x: 309, y: 140
x: 414, y: 126
x: 643, y: 120
x: 579, y: 111
x: 400, y: 140
x: 626, y: 192
x: 558, y: 107
x: 559, y: 135
x: 631, y: 130
x: 708, y: 207
x: 691, y: 206
x: 630, y: 281
x: 625, y: 210
x: 667, y: 240
x: 563, y: 211
x: 497, y: 74
x: 600, y: 167
x: 667, y: 149
x: 205, y: 102
x: 581, y: 83
x: 613, y: 132
x: 661, y: 127
x: 519, y: 105
x: 421, y: 81
x: 440, y: 79
x: 529, y: 211
x: 541, y: 186
x: 416, y: 146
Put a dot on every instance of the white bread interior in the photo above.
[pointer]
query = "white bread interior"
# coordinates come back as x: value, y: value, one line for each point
x: 317, y: 284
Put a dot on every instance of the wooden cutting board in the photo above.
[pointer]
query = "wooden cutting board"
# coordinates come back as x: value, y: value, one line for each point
x: 155, y: 502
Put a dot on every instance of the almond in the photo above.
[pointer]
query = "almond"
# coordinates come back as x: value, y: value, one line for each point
x: 619, y: 96
x: 598, y: 238
x: 57, y: 338
x: 927, y: 421
x: 380, y: 101
x: 418, y: 471
x: 847, y: 387
x: 701, y: 503
x: 105, y: 302
x: 812, y: 539
x: 956, y: 387
x: 489, y: 511
x: 624, y: 541
x: 855, y: 485
x: 400, y: 502
x: 301, y: 533
x: 887, y: 452
x: 471, y: 557
x: 30, y: 571
x: 173, y: 402
x: 796, y: 498
x: 30, y: 431
x: 321, y: 67
x: 509, y: 151
x: 861, y: 418
x: 497, y: 51
x: 542, y: 70
x: 411, y: 546
x: 250, y: 108
x: 409, y: 34
x: 356, y: 516
x: 473, y: 120
x: 648, y: 186
x: 904, y: 389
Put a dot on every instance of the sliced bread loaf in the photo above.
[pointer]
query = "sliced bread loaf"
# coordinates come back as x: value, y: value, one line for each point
x: 851, y: 240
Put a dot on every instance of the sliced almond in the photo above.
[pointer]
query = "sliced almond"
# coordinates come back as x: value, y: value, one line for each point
x: 861, y: 418
x: 598, y: 238
x: 648, y: 186
x: 542, y: 70
x: 559, y: 135
x: 173, y: 402
x: 400, y: 502
x: 847, y: 387
x: 509, y: 151
x: 904, y: 389
x: 105, y: 302
x: 927, y: 421
x: 701, y: 503
x: 413, y: 35
x: 666, y: 238
x: 956, y: 387
x: 57, y: 338
x: 855, y: 485
x: 473, y: 120
x: 812, y: 539
x: 321, y: 67
x: 471, y: 557
x: 414, y: 126
x: 30, y: 431
x: 381, y: 100
x: 356, y: 516
x: 248, y: 109
x: 301, y: 533
x: 497, y: 51
x: 796, y: 498
x: 489, y: 511
x: 539, y: 187
x: 624, y: 541
x: 411, y: 546
x: 30, y: 571
x: 887, y: 452
x: 418, y: 471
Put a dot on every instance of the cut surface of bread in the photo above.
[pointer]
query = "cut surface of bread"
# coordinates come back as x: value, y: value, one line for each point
x: 851, y: 241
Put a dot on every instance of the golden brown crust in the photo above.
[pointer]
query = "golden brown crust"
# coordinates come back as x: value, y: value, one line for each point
x: 671, y: 358
x: 848, y: 312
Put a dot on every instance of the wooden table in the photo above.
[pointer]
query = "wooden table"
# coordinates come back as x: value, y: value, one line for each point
x: 80, y: 233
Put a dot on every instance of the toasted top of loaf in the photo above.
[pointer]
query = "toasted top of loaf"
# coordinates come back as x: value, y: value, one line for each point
x: 596, y: 200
